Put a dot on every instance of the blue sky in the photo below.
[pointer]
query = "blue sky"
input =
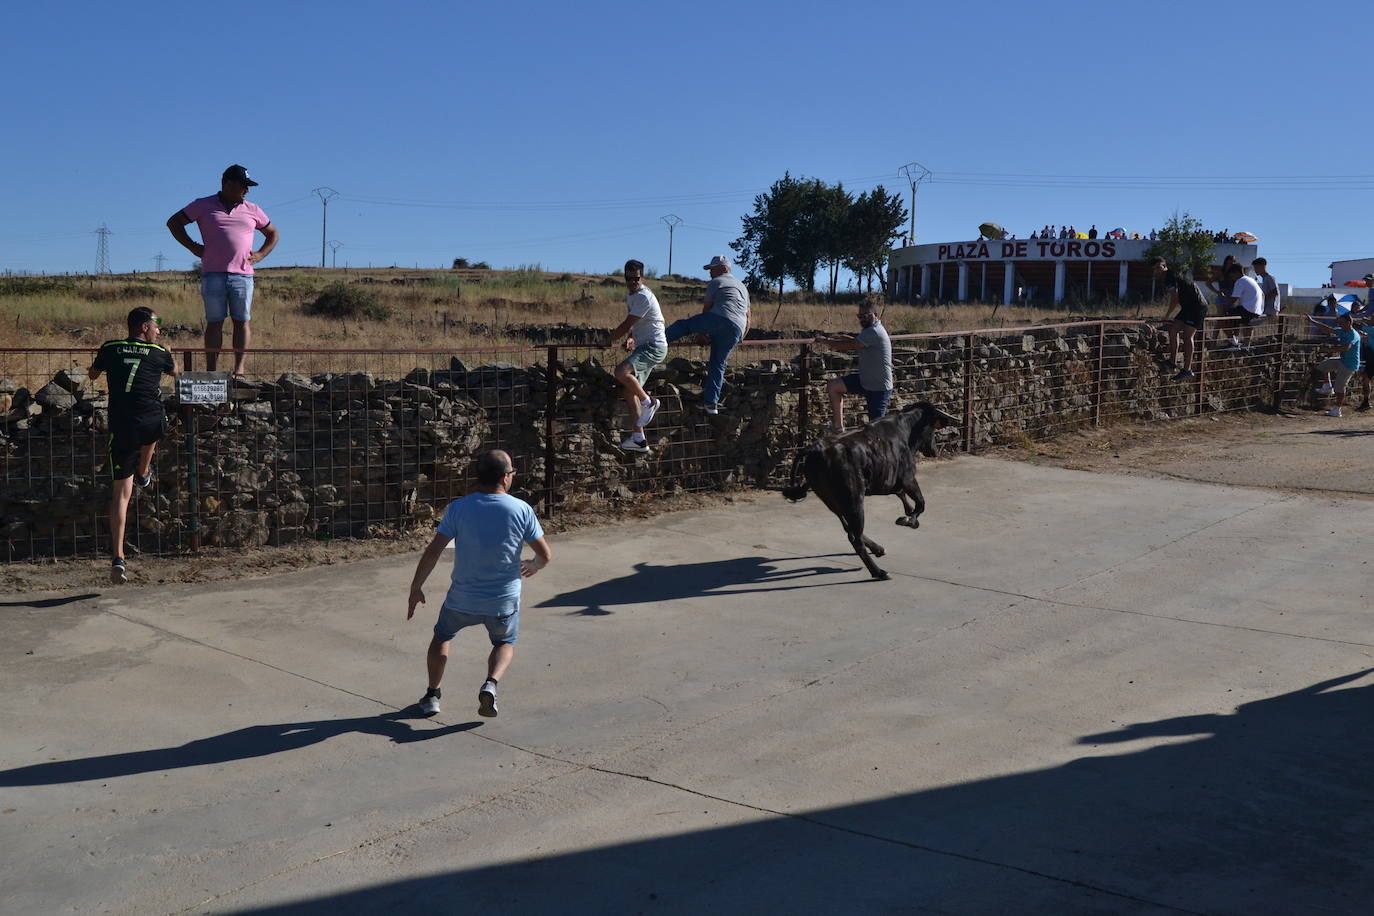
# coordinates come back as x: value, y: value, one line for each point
x: 560, y: 133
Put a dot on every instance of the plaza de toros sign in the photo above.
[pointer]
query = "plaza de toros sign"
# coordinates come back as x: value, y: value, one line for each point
x: 1030, y: 250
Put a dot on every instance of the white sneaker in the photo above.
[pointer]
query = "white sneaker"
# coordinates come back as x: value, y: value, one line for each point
x: 1326, y: 389
x: 635, y: 445
x: 647, y: 412
x: 429, y: 703
x: 1334, y: 412
x: 486, y: 701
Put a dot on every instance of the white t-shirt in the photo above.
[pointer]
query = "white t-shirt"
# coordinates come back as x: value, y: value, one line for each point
x: 1248, y: 294
x: 649, y: 328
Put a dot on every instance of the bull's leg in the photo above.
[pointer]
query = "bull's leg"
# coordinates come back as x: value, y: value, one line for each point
x: 853, y: 520
x: 911, y: 489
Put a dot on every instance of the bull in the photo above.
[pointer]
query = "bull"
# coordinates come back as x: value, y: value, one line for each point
x: 877, y: 460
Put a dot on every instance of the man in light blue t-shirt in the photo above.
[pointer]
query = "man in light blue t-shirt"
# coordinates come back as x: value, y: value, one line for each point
x: 1342, y: 365
x: 489, y: 529
x: 724, y: 318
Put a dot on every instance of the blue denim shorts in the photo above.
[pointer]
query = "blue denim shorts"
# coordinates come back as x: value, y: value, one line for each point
x: 502, y: 630
x: 227, y: 296
x: 877, y: 400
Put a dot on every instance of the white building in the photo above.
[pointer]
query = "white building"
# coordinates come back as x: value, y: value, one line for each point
x: 1038, y: 269
x: 1343, y: 272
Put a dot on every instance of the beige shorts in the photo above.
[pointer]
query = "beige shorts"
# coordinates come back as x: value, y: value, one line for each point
x: 1340, y: 373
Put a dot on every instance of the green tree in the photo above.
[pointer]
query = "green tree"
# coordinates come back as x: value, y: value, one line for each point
x: 876, y: 219
x: 833, y: 230
x: 1185, y: 245
x: 763, y: 249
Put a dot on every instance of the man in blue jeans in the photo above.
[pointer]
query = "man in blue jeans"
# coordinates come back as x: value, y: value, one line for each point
x: 724, y: 318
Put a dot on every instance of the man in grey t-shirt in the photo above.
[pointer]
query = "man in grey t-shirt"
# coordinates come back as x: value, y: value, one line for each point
x: 874, y: 378
x: 724, y: 318
x: 1268, y: 285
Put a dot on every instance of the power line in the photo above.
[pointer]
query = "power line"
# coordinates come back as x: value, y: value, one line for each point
x: 673, y: 221
x: 102, y: 250
x: 324, y: 194
x: 159, y: 261
x: 334, y: 246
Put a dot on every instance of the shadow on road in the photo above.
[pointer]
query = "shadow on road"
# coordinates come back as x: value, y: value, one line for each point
x: 1265, y: 810
x: 50, y: 602
x: 650, y: 583
x: 241, y: 744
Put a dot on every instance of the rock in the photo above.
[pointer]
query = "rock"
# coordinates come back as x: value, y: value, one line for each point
x: 295, y: 384
x: 353, y: 382
x: 55, y: 397
x: 72, y: 380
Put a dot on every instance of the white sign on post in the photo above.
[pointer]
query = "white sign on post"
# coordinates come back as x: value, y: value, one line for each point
x: 203, y: 387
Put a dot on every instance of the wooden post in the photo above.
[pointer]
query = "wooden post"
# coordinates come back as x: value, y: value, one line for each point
x: 968, y: 393
x: 550, y: 405
x: 1101, y: 361
x: 804, y: 397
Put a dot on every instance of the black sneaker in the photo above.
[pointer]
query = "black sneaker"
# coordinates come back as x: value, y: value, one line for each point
x: 1185, y: 374
x: 118, y: 574
x: 429, y: 703
x: 147, y: 479
x: 711, y: 409
x: 1364, y: 405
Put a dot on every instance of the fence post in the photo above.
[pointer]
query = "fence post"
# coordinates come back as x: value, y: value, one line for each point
x: 188, y: 416
x: 804, y: 396
x: 968, y: 393
x: 1097, y: 384
x: 1200, y: 359
x: 550, y: 405
x: 1278, y: 369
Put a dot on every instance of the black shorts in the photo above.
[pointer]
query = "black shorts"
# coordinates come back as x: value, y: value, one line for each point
x: 1246, y: 316
x: 1193, y: 318
x: 128, y: 435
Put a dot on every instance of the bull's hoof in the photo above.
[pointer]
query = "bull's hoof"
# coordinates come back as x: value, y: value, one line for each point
x: 881, y: 574
x: 877, y: 551
x: 907, y: 522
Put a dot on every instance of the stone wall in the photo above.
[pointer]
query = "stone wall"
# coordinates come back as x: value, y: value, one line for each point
x: 353, y: 455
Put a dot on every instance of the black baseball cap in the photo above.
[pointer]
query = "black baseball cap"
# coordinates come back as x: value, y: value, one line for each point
x: 239, y: 175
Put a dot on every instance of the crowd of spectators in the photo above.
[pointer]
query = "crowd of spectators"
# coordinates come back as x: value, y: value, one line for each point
x: 1070, y: 232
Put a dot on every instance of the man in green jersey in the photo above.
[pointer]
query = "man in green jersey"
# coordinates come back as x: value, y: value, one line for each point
x: 134, y: 368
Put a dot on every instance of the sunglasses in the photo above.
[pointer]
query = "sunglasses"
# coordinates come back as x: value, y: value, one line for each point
x: 156, y: 319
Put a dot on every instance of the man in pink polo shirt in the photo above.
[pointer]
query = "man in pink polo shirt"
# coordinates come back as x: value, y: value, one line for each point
x: 227, y: 222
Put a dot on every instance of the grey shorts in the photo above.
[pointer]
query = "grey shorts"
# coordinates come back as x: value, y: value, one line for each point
x: 644, y: 358
x: 502, y: 630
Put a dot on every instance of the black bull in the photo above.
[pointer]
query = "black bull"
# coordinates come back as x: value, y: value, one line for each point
x: 878, y: 460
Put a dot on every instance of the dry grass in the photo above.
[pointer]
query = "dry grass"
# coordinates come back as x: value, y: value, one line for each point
x: 458, y: 310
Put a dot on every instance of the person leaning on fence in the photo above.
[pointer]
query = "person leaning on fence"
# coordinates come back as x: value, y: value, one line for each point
x: 874, y: 378
x: 724, y: 318
x: 1245, y: 304
x: 1342, y: 365
x: 648, y: 348
x: 133, y: 370
x: 489, y: 529
x: 227, y: 222
x: 1192, y: 312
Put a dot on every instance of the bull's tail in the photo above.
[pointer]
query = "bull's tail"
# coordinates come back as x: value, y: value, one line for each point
x: 796, y: 491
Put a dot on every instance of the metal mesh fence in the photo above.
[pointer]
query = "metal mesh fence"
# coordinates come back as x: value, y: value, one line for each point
x: 323, y: 444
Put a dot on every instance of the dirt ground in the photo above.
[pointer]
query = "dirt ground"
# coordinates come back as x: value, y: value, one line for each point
x: 1294, y: 451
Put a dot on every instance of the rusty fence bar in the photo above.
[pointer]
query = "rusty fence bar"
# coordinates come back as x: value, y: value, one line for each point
x: 358, y: 442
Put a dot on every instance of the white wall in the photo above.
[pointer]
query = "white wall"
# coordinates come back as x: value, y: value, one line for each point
x: 1341, y: 271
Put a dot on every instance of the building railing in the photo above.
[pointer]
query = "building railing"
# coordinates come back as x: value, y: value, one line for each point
x: 323, y: 444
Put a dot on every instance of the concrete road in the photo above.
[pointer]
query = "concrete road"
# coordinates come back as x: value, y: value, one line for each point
x: 1078, y: 693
